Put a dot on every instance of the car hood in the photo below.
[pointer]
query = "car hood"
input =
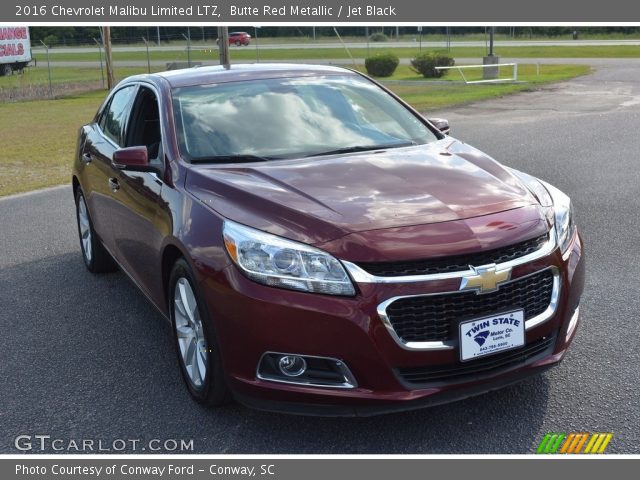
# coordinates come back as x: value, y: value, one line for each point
x: 318, y: 199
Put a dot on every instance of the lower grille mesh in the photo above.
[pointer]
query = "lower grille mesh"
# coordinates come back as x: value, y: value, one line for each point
x: 458, y: 371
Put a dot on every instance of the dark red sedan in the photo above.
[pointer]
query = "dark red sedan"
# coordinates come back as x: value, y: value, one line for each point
x: 320, y: 247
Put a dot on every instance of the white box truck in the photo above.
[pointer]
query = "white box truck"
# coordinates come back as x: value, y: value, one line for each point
x: 15, y: 49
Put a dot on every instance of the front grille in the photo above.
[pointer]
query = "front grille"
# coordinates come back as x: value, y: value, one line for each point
x: 436, y: 317
x: 457, y: 263
x: 462, y: 371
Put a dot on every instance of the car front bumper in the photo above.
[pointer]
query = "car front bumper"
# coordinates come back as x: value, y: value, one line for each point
x: 251, y: 319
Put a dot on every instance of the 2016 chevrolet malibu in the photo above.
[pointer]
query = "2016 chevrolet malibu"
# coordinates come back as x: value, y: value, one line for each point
x: 320, y: 247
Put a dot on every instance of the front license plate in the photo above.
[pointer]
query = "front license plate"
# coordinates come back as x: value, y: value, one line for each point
x: 487, y: 335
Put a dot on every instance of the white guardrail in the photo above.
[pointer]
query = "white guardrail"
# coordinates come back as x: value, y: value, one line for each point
x: 513, y: 78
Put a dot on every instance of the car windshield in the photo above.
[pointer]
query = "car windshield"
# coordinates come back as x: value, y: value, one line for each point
x: 258, y: 120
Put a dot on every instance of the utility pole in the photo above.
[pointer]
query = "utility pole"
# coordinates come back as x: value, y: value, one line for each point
x: 491, y: 32
x: 257, y: 45
x: 106, y: 35
x: 188, y: 39
x: 366, y: 34
x: 223, y: 46
x: 101, y: 63
x: 491, y: 72
x: 146, y: 44
x: 48, y: 68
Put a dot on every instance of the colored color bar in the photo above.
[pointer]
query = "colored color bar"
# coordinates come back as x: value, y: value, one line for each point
x: 577, y: 443
x: 596, y: 446
x: 592, y: 440
x: 543, y: 443
x: 585, y: 436
x: 574, y: 442
x: 550, y: 443
x: 556, y: 445
x: 605, y: 442
x: 567, y: 443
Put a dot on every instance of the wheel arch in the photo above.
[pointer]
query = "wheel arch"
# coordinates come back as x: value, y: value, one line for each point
x: 75, y: 183
x: 170, y: 254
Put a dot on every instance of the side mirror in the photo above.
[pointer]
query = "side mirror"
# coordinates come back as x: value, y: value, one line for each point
x: 132, y: 158
x: 441, y: 124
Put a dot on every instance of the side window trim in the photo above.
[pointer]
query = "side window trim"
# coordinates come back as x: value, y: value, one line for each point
x: 101, y: 115
x: 159, y: 101
x: 107, y: 107
x: 125, y: 124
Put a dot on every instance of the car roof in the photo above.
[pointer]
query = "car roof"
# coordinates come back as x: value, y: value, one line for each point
x: 239, y: 72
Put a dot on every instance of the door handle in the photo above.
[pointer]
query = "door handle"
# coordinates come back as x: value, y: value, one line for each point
x: 86, y: 158
x: 114, y: 185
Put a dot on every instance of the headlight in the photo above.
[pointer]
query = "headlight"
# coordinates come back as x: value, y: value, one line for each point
x: 550, y: 196
x: 563, y: 214
x: 279, y: 262
x: 535, y: 187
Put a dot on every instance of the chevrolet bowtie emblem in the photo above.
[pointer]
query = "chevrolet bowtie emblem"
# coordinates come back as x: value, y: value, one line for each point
x: 485, y: 279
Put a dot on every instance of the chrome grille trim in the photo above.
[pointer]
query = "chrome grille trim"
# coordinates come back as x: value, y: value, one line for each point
x: 360, y: 275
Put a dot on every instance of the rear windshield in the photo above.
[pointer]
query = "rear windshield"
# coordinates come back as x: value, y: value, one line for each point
x: 291, y: 117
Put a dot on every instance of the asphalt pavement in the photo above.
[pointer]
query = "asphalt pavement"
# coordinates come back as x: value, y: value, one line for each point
x: 87, y: 357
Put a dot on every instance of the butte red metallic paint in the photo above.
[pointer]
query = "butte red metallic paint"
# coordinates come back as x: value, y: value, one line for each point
x: 332, y: 278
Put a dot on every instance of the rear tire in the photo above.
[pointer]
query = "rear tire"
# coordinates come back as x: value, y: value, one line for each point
x: 5, y: 70
x: 96, y: 258
x: 195, y: 340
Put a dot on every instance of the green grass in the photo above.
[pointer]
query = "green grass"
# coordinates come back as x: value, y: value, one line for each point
x: 63, y: 75
x: 38, y: 140
x: 428, y: 96
x: 249, y: 53
x: 38, y: 137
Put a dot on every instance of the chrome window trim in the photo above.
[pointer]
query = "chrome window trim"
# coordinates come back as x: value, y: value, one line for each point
x: 360, y: 275
x: 451, y: 344
x: 349, y: 380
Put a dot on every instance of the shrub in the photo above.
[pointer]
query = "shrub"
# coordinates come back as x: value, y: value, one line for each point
x: 50, y: 40
x: 381, y: 64
x: 426, y: 64
x: 378, y: 37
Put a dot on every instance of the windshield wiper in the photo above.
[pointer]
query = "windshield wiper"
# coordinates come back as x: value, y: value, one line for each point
x: 232, y: 159
x: 363, y: 148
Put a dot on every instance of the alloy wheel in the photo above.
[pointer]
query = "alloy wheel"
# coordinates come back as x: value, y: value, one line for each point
x: 85, y: 229
x: 194, y: 351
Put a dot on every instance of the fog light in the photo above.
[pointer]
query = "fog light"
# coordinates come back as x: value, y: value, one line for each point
x: 292, y: 365
x: 306, y: 370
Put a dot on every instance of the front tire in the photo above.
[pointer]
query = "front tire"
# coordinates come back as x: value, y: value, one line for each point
x: 96, y: 258
x: 194, y: 339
